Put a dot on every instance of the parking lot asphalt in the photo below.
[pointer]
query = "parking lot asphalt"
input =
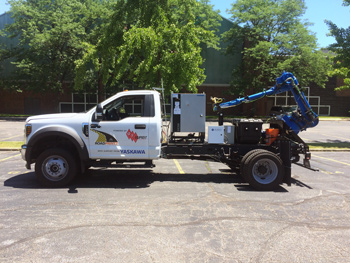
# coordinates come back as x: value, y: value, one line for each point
x: 328, y: 132
x: 11, y: 130
x: 199, y: 213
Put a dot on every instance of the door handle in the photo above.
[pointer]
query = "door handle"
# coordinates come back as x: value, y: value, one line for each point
x: 95, y: 126
x: 140, y: 126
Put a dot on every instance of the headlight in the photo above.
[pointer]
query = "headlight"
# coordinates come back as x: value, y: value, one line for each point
x: 27, y: 129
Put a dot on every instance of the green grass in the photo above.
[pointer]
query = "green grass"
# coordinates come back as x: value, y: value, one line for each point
x: 10, y: 144
x: 13, y: 115
x: 333, y: 118
x: 330, y: 146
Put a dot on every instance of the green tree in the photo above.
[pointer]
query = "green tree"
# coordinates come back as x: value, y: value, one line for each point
x: 51, y: 36
x: 147, y: 42
x: 2, y: 50
x: 342, y: 50
x: 275, y: 39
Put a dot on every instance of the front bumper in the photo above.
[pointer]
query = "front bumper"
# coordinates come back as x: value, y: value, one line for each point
x: 23, y: 153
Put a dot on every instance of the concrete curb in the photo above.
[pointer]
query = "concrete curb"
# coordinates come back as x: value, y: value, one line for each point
x: 9, y: 149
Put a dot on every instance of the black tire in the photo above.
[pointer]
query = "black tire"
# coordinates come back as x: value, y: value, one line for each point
x: 55, y: 167
x: 244, y: 160
x: 263, y: 170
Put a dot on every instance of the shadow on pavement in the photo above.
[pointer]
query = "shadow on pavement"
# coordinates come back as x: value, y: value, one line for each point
x: 129, y: 179
x: 299, y: 183
x: 111, y: 178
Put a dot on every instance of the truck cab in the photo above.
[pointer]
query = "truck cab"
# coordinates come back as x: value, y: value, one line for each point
x: 126, y: 126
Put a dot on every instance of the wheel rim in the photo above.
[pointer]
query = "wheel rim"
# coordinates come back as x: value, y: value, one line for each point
x: 265, y: 171
x: 55, y: 168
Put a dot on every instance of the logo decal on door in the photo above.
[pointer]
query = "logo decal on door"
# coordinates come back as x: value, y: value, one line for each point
x: 105, y: 138
x: 133, y: 151
x: 134, y: 137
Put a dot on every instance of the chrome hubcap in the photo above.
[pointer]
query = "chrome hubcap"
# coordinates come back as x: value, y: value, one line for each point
x: 265, y: 171
x: 55, y: 168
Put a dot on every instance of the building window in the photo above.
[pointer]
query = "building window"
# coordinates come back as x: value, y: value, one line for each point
x: 284, y: 99
x: 135, y: 107
x: 81, y: 102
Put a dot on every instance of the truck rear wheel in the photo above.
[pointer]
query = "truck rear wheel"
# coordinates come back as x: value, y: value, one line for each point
x: 55, y: 167
x: 263, y: 170
x: 244, y: 159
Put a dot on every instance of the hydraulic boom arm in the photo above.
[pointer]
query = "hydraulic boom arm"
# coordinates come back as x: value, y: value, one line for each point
x: 297, y: 121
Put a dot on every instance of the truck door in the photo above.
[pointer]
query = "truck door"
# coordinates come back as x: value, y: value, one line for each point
x: 123, y: 132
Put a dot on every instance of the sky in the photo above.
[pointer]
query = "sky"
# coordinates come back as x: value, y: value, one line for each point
x: 317, y: 11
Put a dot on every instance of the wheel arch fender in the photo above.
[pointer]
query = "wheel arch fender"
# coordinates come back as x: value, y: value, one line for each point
x: 64, y: 132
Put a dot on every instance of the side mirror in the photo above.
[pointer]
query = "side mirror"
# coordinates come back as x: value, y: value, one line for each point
x: 99, y: 113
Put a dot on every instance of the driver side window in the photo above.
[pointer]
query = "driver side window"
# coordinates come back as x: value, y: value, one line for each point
x: 127, y: 106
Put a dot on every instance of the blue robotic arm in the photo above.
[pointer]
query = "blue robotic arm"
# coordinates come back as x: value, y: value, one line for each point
x: 297, y: 121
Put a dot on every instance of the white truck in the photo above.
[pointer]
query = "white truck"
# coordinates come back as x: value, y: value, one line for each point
x: 127, y: 127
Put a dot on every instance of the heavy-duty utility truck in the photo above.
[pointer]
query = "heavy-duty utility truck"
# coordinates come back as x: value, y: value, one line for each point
x: 128, y: 129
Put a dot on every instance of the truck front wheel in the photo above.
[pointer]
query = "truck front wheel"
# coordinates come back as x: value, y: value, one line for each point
x: 263, y: 170
x: 55, y: 167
